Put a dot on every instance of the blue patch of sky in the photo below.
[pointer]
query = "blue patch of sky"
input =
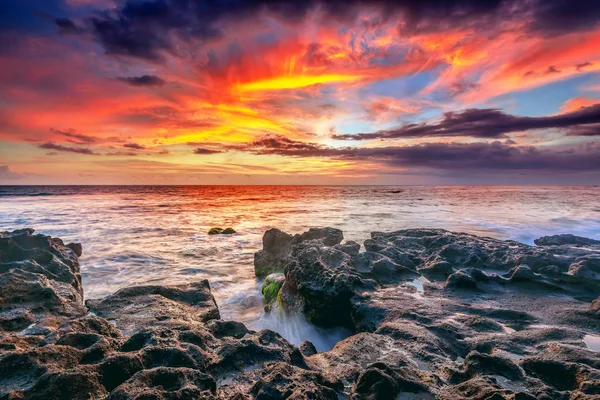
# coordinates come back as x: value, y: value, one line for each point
x: 546, y: 99
x: 33, y: 16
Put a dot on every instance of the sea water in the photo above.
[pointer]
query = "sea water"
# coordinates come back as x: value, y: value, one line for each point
x: 137, y: 235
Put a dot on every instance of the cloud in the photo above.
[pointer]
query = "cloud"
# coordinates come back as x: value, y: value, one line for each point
x: 147, y: 29
x: 122, y: 154
x: 482, y: 123
x: 59, y: 147
x: 66, y: 26
x: 134, y: 146
x: 7, y: 174
x: 141, y: 81
x: 72, y: 133
x: 487, y: 156
x: 583, y: 65
x: 588, y: 130
x: 203, y: 150
x: 556, y: 17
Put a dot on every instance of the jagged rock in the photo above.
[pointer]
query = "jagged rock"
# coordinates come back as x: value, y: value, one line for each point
x: 308, y: 349
x: 380, y: 381
x: 562, y: 240
x: 77, y: 248
x: 325, y: 280
x: 221, y: 329
x: 282, y: 381
x: 136, y: 307
x: 595, y: 308
x: 520, y: 333
x: 168, y: 384
x: 461, y: 280
x: 277, y: 246
x: 381, y: 268
x: 40, y: 281
x: 477, y: 363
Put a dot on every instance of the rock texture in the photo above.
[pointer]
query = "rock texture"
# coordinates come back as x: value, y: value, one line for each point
x: 450, y: 315
x: 277, y: 247
x: 436, y: 315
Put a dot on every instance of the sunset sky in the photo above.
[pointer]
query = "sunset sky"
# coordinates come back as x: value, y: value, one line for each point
x: 274, y: 92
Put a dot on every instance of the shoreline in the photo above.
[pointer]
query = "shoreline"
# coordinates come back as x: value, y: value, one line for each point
x: 493, y: 317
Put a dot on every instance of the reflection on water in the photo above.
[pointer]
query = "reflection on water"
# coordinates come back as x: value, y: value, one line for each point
x: 592, y: 342
x: 157, y: 234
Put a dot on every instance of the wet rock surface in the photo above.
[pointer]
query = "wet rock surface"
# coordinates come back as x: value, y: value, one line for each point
x: 436, y: 315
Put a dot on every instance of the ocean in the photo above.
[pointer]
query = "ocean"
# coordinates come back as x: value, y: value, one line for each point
x: 140, y: 235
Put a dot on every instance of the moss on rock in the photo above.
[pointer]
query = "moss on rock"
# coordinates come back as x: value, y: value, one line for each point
x: 221, y: 231
x: 271, y: 286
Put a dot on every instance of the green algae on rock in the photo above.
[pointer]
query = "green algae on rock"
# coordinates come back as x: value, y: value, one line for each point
x: 221, y: 231
x: 271, y: 286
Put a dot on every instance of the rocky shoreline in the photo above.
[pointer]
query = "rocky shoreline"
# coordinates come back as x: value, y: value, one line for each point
x: 436, y: 315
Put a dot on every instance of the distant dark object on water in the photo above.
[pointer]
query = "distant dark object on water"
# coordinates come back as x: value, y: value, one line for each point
x: 221, y: 231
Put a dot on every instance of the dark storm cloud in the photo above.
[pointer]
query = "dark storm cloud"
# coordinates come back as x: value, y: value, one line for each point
x: 144, y: 80
x: 144, y: 29
x: 206, y: 151
x: 66, y: 26
x: 482, y: 123
x: 67, y: 149
x: 74, y: 136
x: 556, y: 17
x: 497, y: 155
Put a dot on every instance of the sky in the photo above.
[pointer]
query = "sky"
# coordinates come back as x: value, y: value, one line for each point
x: 412, y: 92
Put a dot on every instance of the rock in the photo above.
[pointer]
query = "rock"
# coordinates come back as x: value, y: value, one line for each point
x: 460, y: 280
x: 518, y: 336
x: 380, y: 267
x: 166, y: 383
x: 325, y: 280
x: 564, y: 240
x: 40, y: 281
x: 221, y: 329
x: 380, y: 381
x: 349, y: 247
x: 253, y: 351
x: 277, y: 246
x: 142, y: 306
x: 558, y: 374
x: 221, y: 231
x: 58, y: 385
x: 479, y: 388
x: 282, y: 381
x: 595, y: 308
x: 273, y: 256
x: 271, y: 286
x: 521, y: 273
x: 477, y: 363
x: 308, y: 349
x: 77, y: 248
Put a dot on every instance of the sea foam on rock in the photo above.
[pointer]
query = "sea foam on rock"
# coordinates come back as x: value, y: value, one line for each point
x: 493, y: 320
